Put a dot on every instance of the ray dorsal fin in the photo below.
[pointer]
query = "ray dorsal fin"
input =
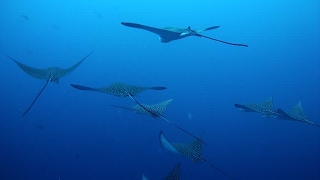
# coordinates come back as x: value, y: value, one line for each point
x: 174, y: 173
x: 191, y: 150
x: 51, y: 74
x: 155, y: 114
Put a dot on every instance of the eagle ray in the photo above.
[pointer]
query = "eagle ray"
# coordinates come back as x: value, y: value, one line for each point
x: 169, y: 34
x: 51, y: 74
x: 155, y: 114
x: 191, y: 150
x: 119, y: 89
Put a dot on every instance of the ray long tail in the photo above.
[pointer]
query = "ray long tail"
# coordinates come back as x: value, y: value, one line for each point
x: 224, y: 41
x: 217, y: 169
x: 159, y: 115
x: 35, y: 99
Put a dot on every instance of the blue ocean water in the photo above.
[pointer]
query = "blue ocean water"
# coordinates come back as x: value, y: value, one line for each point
x: 71, y: 134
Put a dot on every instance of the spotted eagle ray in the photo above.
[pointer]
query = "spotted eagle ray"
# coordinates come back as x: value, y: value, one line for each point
x: 169, y: 34
x: 191, y: 150
x: 265, y: 108
x: 296, y: 113
x: 173, y: 175
x: 119, y: 89
x: 50, y: 74
x: 156, y: 111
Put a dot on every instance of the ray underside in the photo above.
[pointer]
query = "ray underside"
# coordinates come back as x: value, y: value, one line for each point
x: 191, y: 150
x: 51, y: 74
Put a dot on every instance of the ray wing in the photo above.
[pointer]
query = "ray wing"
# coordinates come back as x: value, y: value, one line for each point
x: 265, y: 107
x: 121, y: 89
x: 174, y: 173
x: 296, y: 113
x: 34, y: 72
x: 160, y: 32
x: 59, y: 72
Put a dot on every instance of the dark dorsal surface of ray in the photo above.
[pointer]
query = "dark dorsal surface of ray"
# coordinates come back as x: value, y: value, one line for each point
x: 158, y: 108
x: 296, y: 113
x: 155, y: 114
x: 169, y: 34
x: 174, y: 173
x: 51, y: 74
x: 265, y: 108
x: 191, y: 150
x: 119, y: 89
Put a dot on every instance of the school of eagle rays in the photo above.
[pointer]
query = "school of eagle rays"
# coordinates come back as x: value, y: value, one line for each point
x: 192, y: 149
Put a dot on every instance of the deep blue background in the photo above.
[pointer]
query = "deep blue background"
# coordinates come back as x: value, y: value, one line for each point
x: 85, y: 138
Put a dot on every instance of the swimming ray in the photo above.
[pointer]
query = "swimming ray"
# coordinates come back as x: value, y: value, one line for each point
x: 191, y: 150
x: 119, y: 89
x: 158, y: 108
x: 173, y: 175
x: 169, y: 34
x: 51, y: 74
x: 265, y: 108
x: 154, y: 114
x: 296, y: 113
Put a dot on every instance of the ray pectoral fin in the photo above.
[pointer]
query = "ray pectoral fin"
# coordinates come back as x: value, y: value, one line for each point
x: 166, y: 144
x: 34, y: 72
x: 160, y: 32
x: 64, y: 72
x: 211, y: 28
x: 243, y: 108
x: 35, y: 99
x: 234, y: 44
x: 217, y: 168
x: 174, y: 174
x: 84, y: 88
x: 158, y: 88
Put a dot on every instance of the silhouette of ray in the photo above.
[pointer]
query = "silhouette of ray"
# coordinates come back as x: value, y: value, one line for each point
x: 119, y: 89
x: 173, y: 33
x: 51, y: 74
x: 191, y: 150
x: 158, y: 108
x: 154, y: 114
